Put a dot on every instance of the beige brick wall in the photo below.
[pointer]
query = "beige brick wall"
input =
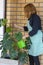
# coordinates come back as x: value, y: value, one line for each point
x: 15, y: 14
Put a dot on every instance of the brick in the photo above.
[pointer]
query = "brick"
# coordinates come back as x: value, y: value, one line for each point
x: 20, y: 24
x: 13, y: 1
x: 41, y: 56
x: 41, y: 64
x: 23, y: 4
x: 13, y: 17
x: 13, y: 9
x: 22, y: 9
x: 8, y: 17
x: 18, y: 17
x: 8, y: 5
x: 41, y: 18
x: 22, y: 13
x: 38, y: 0
x: 42, y: 22
x: 13, y: 13
x: 41, y: 4
x: 23, y: 22
x: 29, y: 1
x: 8, y: 13
x: 21, y: 1
x: 18, y: 21
x: 40, y: 13
x: 42, y: 27
x: 8, y: 1
x: 8, y: 9
x: 13, y: 5
x: 22, y: 17
x: 40, y: 9
x: 41, y: 61
x: 19, y: 5
x: 18, y: 13
x: 36, y: 4
x: 19, y: 9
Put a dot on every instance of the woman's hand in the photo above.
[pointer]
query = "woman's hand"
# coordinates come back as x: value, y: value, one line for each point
x: 15, y: 26
x: 23, y: 50
x: 26, y: 35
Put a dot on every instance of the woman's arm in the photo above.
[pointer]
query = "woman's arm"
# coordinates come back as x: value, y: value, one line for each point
x: 23, y: 28
x: 20, y: 27
x: 36, y: 25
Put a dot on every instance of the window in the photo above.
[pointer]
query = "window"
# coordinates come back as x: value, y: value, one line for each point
x: 2, y: 15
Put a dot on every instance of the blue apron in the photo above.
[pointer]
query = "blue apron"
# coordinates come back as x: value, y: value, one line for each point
x: 37, y: 45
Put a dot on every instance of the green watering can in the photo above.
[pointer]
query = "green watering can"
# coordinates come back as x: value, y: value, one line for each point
x: 21, y: 44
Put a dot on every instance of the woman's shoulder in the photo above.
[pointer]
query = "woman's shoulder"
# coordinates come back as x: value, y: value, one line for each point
x: 35, y: 16
x: 35, y: 19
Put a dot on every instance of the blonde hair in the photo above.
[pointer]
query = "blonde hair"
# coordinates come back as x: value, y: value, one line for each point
x: 30, y: 8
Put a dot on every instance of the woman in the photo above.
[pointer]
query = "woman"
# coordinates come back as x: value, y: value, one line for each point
x: 34, y: 32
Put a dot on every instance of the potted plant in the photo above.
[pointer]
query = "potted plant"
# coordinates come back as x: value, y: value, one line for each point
x: 13, y: 44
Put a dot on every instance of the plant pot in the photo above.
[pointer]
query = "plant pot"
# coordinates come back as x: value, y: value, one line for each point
x: 21, y: 44
x: 8, y: 62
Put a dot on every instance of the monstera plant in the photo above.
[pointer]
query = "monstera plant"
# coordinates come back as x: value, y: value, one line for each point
x: 13, y: 44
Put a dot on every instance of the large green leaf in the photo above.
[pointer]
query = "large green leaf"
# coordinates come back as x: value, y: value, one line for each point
x: 4, y: 53
x: 13, y: 53
x: 28, y: 43
x: 8, y: 29
x: 23, y: 57
x: 18, y: 36
x: 0, y: 22
x: 4, y: 22
x: 6, y: 36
